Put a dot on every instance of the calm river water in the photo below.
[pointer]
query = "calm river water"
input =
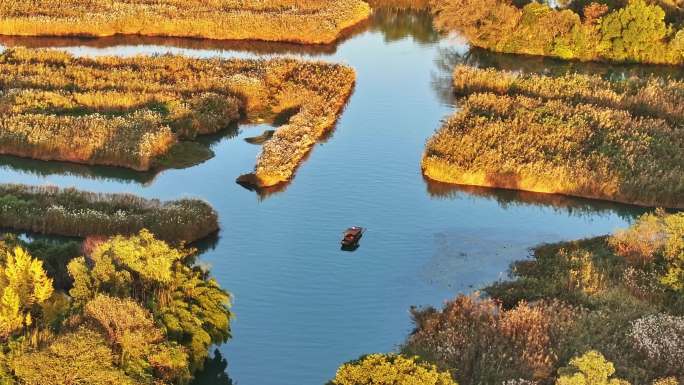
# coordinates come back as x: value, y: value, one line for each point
x: 302, y: 306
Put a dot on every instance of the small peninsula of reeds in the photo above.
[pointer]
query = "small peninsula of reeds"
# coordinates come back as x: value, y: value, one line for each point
x: 299, y: 21
x: 70, y: 212
x: 130, y: 111
x: 575, y: 135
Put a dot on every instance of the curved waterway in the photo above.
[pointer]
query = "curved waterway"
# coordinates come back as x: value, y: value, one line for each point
x: 302, y: 305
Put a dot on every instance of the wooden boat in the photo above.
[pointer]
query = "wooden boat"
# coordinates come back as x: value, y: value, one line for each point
x: 352, y: 236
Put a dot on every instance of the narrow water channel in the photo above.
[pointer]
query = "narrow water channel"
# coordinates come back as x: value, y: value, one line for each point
x: 303, y: 306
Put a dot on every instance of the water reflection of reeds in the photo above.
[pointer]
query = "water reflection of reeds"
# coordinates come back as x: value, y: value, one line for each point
x: 512, y: 198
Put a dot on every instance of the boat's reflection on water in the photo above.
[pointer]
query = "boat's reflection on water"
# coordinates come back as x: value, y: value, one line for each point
x: 350, y: 248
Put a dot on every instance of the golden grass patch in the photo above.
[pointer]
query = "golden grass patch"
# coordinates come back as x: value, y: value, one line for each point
x: 128, y: 111
x: 300, y: 21
x: 555, y: 135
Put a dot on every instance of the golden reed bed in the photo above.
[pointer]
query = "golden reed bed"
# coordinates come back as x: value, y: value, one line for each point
x: 129, y: 111
x: 300, y: 21
x: 622, y: 142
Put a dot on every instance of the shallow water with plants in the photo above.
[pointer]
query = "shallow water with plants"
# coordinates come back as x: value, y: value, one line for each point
x: 302, y: 305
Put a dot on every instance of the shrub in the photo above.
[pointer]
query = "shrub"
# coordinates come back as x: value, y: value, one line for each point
x: 640, y: 243
x: 654, y: 238
x: 674, y: 251
x: 589, y: 369
x: 483, y: 343
x: 660, y: 337
x: 381, y: 369
x: 632, y: 318
x: 635, y: 33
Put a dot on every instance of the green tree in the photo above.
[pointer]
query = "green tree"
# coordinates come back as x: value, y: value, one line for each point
x: 192, y: 308
x: 24, y: 286
x: 589, y: 369
x: 390, y: 369
x: 635, y: 33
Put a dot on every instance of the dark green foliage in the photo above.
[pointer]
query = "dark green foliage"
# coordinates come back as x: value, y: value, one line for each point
x: 631, y: 32
x: 55, y: 256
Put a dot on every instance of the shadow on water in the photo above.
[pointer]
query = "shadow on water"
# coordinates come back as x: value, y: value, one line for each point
x: 256, y: 47
x: 573, y: 206
x: 214, y: 371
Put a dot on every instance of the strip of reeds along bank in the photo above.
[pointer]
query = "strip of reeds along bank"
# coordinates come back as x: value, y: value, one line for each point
x: 650, y: 96
x: 70, y: 212
x: 320, y: 93
x: 129, y: 111
x: 299, y: 21
x: 550, y: 135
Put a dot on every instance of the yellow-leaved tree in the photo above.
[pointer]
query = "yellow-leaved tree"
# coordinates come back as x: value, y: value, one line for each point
x: 24, y: 286
x: 390, y: 369
x: 592, y: 368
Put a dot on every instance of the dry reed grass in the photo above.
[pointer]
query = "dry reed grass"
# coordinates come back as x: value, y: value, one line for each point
x: 127, y: 111
x: 557, y: 146
x: 301, y: 21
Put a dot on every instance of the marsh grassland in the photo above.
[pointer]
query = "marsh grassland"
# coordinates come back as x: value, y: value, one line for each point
x: 71, y: 212
x: 299, y: 21
x: 129, y: 112
x: 576, y: 135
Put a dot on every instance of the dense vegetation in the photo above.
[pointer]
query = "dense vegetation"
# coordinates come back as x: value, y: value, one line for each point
x: 130, y: 111
x: 381, y: 369
x: 596, y: 311
x: 134, y: 311
x: 301, y: 21
x: 70, y: 212
x: 636, y: 32
x: 576, y: 135
x: 648, y: 96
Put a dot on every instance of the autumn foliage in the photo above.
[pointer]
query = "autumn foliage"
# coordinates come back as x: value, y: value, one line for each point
x: 139, y: 312
x: 637, y: 32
